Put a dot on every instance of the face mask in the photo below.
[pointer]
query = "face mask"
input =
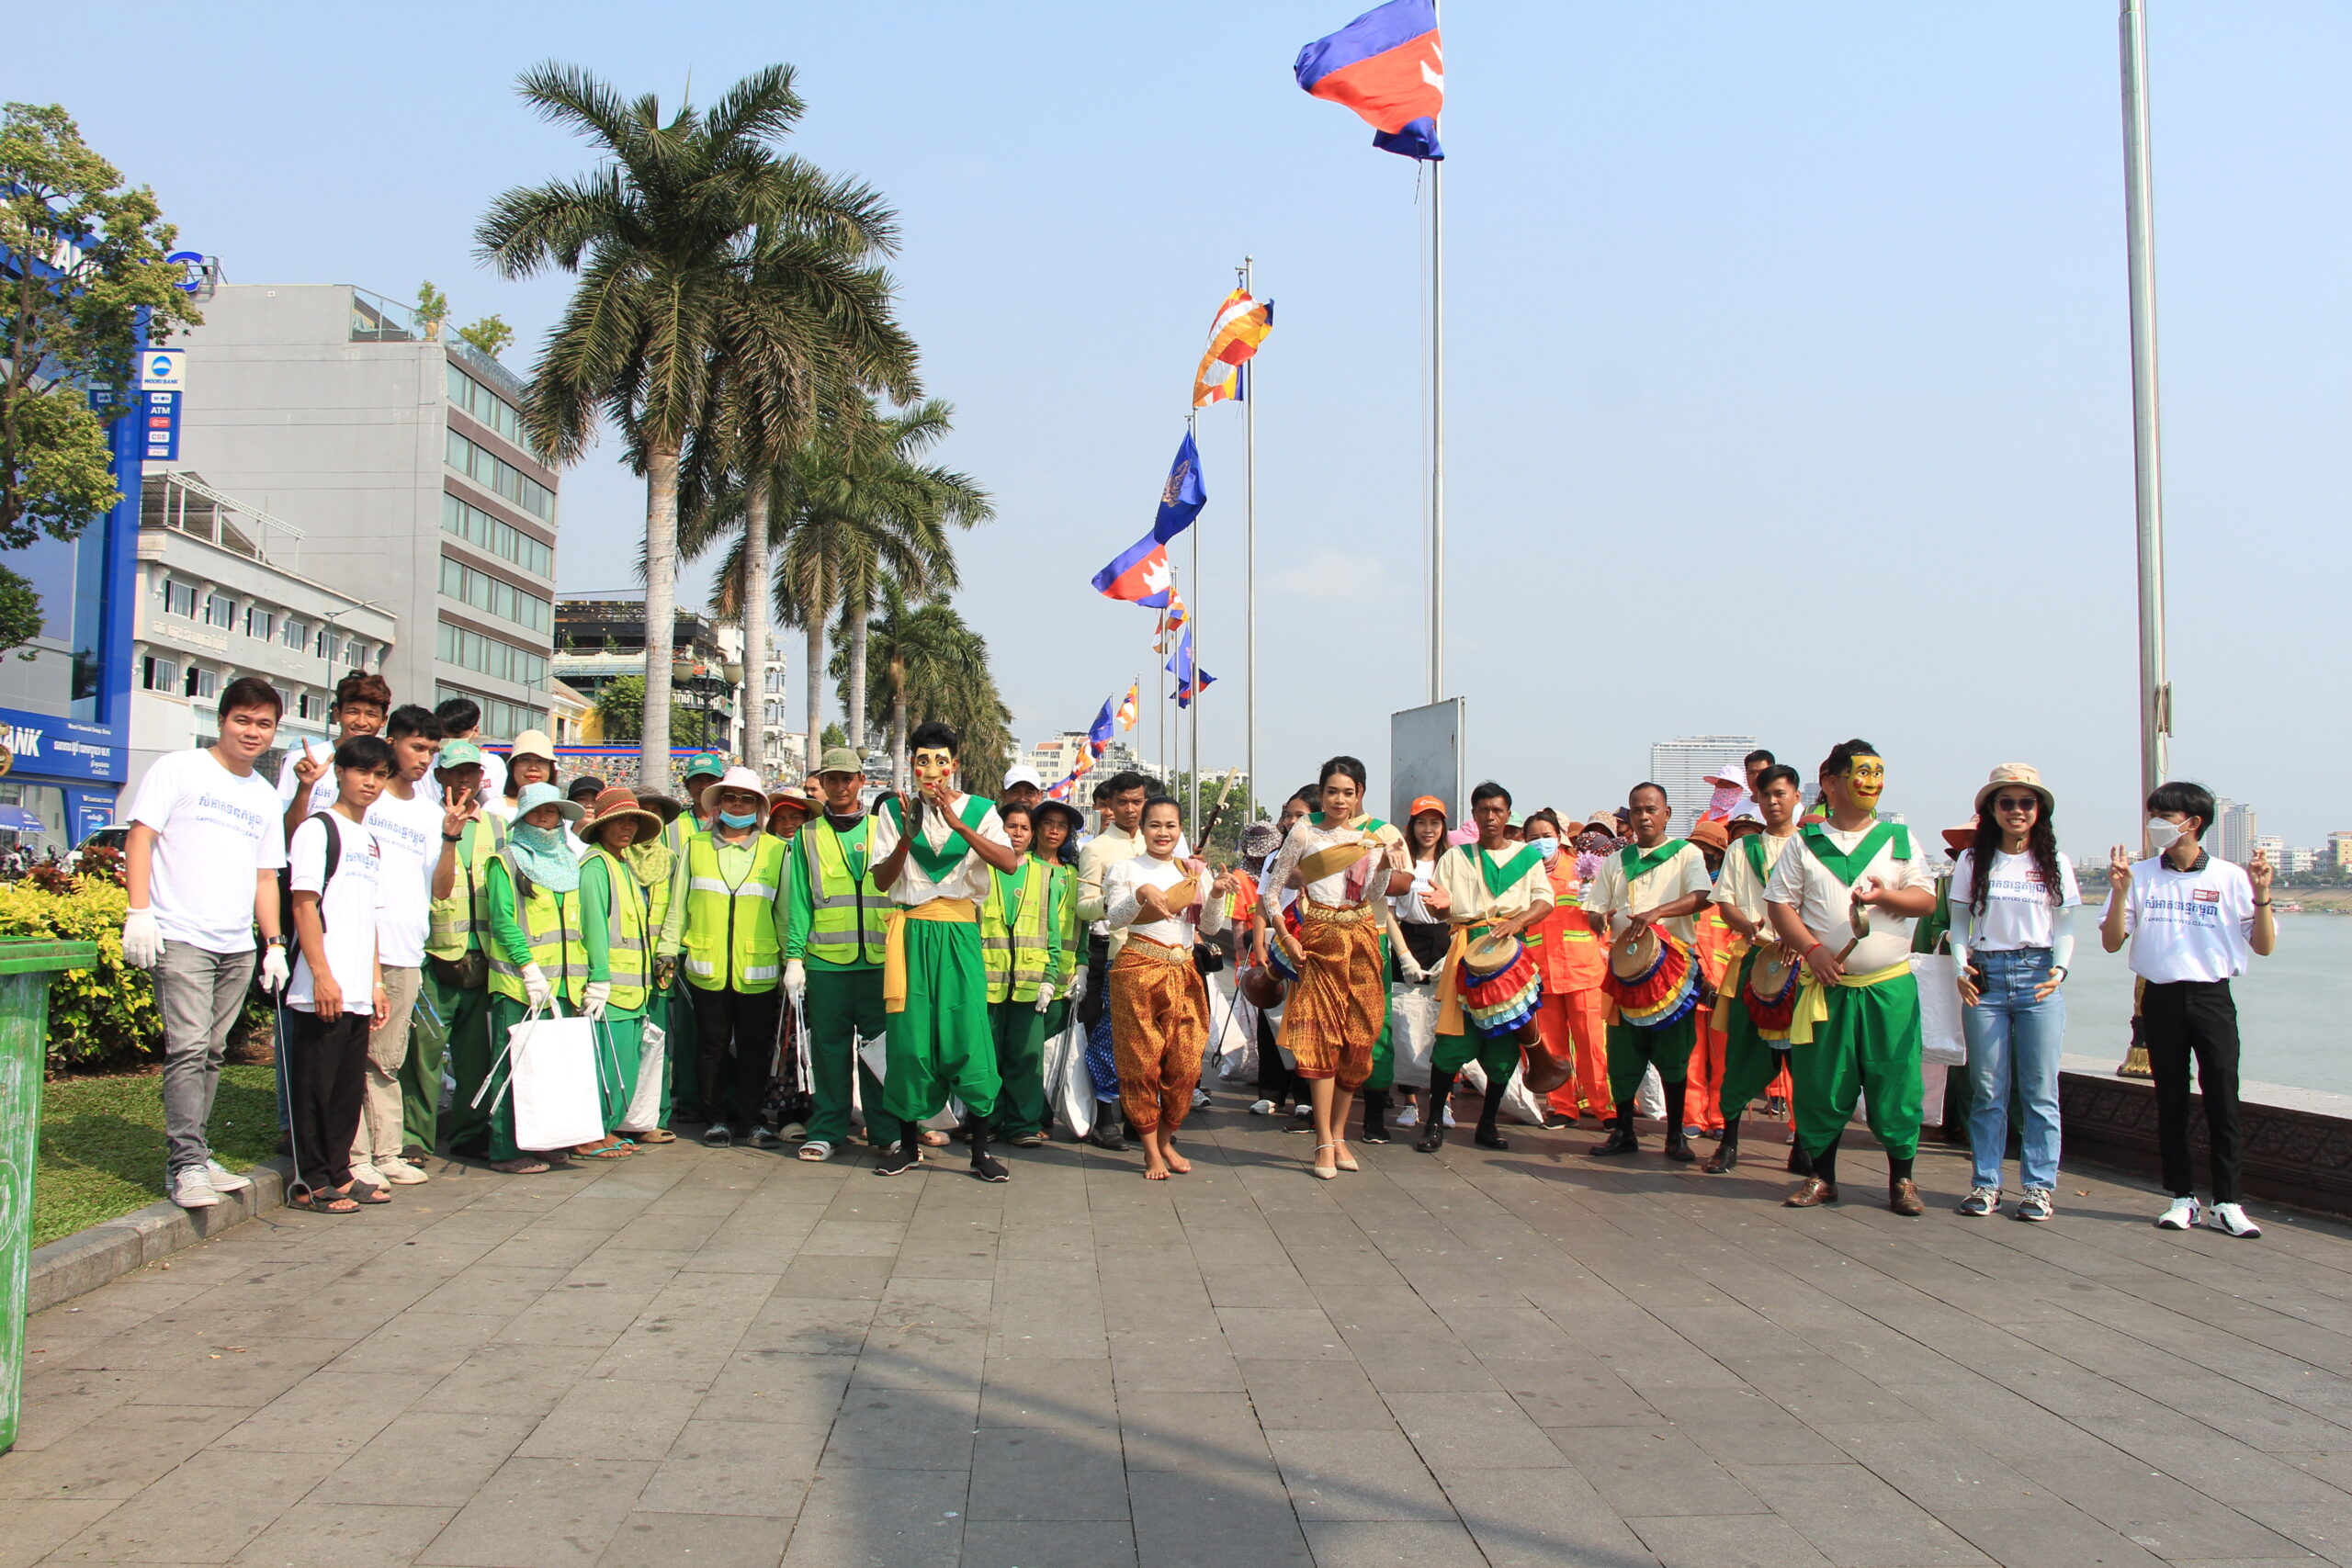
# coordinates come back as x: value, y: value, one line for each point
x: 537, y: 838
x: 736, y: 819
x: 2162, y: 835
x: 1549, y: 849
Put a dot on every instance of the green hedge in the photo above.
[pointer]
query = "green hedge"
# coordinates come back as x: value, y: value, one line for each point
x: 102, y: 1018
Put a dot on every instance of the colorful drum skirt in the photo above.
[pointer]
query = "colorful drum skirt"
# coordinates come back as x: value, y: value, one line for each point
x: 1500, y: 1004
x: 1666, y: 993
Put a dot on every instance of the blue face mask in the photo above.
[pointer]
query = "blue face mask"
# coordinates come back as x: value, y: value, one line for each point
x: 738, y: 819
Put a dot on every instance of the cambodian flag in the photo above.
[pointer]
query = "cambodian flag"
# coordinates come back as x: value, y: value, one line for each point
x: 1098, y: 736
x: 1140, y: 571
x: 1388, y: 67
x: 1191, y: 681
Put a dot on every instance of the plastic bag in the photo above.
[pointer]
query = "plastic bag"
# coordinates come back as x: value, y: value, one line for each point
x: 1067, y: 1081
x: 1942, y: 1042
x: 645, y: 1105
x: 1412, y: 1036
x: 553, y: 1064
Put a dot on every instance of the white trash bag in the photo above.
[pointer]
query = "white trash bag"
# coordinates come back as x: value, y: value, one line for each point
x: 553, y: 1065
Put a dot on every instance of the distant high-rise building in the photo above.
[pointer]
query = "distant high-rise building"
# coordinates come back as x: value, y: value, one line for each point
x: 2339, y: 849
x: 1681, y: 767
x: 2234, y: 840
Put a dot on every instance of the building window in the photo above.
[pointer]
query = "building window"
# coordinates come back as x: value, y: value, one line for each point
x: 260, y: 623
x: 179, y: 599
x: 219, y: 610
x: 311, y: 707
x: 488, y: 408
x: 500, y: 720
x: 502, y: 599
x: 491, y: 471
x: 200, y: 683
x: 159, y: 674
x: 486, y: 533
x: 296, y: 634
x: 502, y: 660
x: 330, y: 644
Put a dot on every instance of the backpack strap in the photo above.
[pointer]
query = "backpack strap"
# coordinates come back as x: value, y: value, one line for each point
x: 334, y: 859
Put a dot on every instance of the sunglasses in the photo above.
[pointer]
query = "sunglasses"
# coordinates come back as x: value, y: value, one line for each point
x: 2017, y: 802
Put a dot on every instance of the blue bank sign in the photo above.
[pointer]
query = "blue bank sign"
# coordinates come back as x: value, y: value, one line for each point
x: 45, y: 747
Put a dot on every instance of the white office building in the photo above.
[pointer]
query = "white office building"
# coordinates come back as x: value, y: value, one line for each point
x: 1681, y: 767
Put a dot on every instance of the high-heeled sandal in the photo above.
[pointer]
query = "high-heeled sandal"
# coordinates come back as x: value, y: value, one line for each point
x: 1323, y: 1172
x: 1345, y: 1160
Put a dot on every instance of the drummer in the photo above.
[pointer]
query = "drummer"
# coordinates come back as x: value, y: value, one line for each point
x: 1654, y: 884
x: 1494, y: 890
x: 1752, y: 1055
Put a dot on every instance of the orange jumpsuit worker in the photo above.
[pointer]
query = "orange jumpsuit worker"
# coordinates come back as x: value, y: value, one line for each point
x: 1715, y: 950
x: 1572, y: 1019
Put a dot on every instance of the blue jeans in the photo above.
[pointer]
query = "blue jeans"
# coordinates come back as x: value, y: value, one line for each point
x: 2014, y: 1039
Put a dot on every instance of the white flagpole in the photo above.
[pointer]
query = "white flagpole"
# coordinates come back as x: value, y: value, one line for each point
x: 2138, y: 201
x: 1250, y: 555
x: 1437, y: 427
x: 1193, y: 625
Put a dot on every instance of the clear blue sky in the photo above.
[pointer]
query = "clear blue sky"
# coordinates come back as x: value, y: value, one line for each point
x: 1788, y: 354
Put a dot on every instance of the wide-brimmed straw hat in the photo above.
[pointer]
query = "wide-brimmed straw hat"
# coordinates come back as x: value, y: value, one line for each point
x: 2014, y: 773
x: 1709, y: 834
x: 737, y: 777
x: 535, y: 795
x: 615, y: 802
x: 1963, y: 836
x: 788, y: 797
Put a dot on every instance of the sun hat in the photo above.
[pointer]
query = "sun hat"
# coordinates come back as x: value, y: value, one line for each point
x: 613, y: 803
x: 704, y: 765
x: 737, y: 777
x: 1428, y: 803
x: 1742, y: 825
x: 1964, y: 836
x: 788, y: 797
x: 840, y: 760
x: 1732, y: 773
x: 2014, y: 773
x: 457, y: 754
x: 666, y: 807
x: 1709, y: 835
x: 1071, y: 815
x: 532, y: 743
x: 1023, y: 774
x: 535, y: 795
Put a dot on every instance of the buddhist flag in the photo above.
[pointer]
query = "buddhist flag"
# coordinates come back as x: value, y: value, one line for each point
x: 1241, y: 324
x: 1386, y: 65
x: 1127, y: 714
x: 1171, y: 621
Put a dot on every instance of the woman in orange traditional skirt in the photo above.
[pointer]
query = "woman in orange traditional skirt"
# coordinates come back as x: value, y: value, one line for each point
x: 1344, y: 866
x: 1159, y: 1011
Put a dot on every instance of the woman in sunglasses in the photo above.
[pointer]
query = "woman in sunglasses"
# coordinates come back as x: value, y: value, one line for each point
x: 2013, y: 901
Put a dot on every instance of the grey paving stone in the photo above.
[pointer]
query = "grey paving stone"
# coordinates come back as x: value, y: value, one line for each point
x: 240, y: 1370
x: 1645, y: 1473
x: 1039, y: 1473
x: 37, y: 1526
x: 338, y: 1534
x: 115, y: 1455
x: 1040, y: 1543
x: 737, y: 1467
x: 1024, y: 1392
x: 612, y: 1418
x: 2050, y: 1536
x: 1304, y: 1394
x: 1182, y: 1521
x: 903, y: 1429
x: 706, y: 1540
x: 880, y: 1518
x: 542, y: 1513
x: 1392, y: 1543
x: 438, y: 1460
x: 777, y: 1386
x: 1726, y: 1540
x: 1337, y: 1474
x: 1532, y: 1518
x: 510, y: 1379
x: 1473, y: 1431
x: 1855, y: 1518
x: 206, y: 1510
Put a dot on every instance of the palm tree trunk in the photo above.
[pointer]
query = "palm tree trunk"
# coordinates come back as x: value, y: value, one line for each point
x: 813, y: 617
x: 754, y: 609
x: 661, y: 614
x: 857, y: 610
x: 898, y: 733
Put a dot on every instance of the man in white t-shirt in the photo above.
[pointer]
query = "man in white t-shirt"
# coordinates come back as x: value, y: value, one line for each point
x: 416, y: 835
x: 305, y: 780
x: 462, y: 721
x: 2193, y: 922
x: 337, y: 991
x: 201, y: 864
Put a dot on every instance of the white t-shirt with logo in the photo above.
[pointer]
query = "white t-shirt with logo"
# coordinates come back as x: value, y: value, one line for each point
x: 2018, y: 907
x: 215, y: 833
x: 323, y: 789
x: 348, y: 907
x: 409, y: 834
x: 2189, y: 925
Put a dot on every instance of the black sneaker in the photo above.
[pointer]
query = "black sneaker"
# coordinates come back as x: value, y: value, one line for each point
x: 988, y: 1168
x: 896, y: 1160
x: 1105, y: 1135
x: 716, y: 1136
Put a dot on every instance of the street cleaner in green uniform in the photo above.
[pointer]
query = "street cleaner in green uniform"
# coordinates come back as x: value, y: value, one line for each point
x: 617, y: 931
x: 1058, y: 824
x: 1843, y: 898
x: 532, y: 889
x: 835, y: 919
x: 1021, y: 925
x: 725, y: 925
x: 1655, y: 883
x: 934, y: 857
x: 452, y: 1022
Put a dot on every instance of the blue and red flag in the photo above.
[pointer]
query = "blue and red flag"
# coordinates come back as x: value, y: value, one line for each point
x: 1191, y: 681
x: 1140, y: 572
x: 1098, y: 735
x: 1386, y: 65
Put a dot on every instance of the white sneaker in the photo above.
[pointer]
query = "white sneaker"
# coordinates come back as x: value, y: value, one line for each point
x: 372, y: 1175
x: 1449, y: 1117
x: 192, y: 1188
x: 1410, y: 1116
x: 399, y: 1173
x: 223, y: 1178
x: 1199, y: 1097
x: 1261, y: 1108
x: 2181, y: 1216
x: 2230, y: 1219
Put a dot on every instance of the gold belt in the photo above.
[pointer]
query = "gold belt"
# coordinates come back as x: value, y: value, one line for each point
x: 1334, y: 914
x: 1161, y: 950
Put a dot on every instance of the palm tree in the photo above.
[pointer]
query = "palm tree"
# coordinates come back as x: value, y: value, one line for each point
x: 705, y: 259
x: 927, y: 661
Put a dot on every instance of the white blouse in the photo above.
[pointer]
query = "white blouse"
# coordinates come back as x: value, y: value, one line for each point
x: 1120, y: 906
x: 1363, y: 882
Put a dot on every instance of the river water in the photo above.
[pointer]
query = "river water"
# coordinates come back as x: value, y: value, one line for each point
x: 2293, y: 1007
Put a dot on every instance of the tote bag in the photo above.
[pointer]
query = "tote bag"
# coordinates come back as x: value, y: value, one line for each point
x: 557, y: 1104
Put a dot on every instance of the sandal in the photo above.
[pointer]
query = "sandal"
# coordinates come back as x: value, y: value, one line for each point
x: 1347, y: 1161
x: 656, y: 1135
x: 522, y: 1165
x: 367, y: 1192
x: 619, y: 1150
x: 320, y: 1200
x: 1324, y: 1172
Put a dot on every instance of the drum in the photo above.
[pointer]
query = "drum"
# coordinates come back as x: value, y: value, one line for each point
x: 1261, y: 988
x: 1652, y: 979
x: 1276, y: 957
x: 1500, y: 986
x: 1772, y: 990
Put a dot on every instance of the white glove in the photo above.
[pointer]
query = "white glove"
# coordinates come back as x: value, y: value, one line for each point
x: 1045, y: 997
x: 142, y: 940
x: 535, y: 990
x: 1077, y: 987
x: 592, y: 999
x: 273, y: 970
x: 796, y: 980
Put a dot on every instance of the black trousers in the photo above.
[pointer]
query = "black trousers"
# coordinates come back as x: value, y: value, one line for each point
x: 736, y: 1033
x: 1275, y: 1081
x: 2182, y: 1019
x: 326, y: 1085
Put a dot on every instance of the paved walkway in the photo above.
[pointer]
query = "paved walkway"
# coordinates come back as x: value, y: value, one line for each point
x: 730, y: 1360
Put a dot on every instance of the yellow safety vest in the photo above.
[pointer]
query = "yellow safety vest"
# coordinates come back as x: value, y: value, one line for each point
x: 625, y: 928
x: 847, y: 915
x: 1013, y: 930
x: 551, y: 930
x: 457, y: 921
x: 734, y: 932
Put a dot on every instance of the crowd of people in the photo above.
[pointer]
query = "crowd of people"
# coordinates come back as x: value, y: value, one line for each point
x: 792, y: 965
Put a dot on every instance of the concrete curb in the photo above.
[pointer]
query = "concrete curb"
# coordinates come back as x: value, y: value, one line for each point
x: 77, y: 1264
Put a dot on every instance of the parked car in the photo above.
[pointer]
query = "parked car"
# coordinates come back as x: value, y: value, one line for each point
x: 113, y: 836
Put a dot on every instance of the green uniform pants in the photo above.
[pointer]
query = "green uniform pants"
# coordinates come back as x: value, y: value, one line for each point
x: 620, y: 1038
x: 1750, y: 1061
x: 845, y: 1005
x: 463, y: 1045
x: 1632, y: 1049
x: 1500, y: 1058
x: 1869, y: 1043
x: 942, y: 1044
x: 1020, y: 1032
x: 505, y: 1012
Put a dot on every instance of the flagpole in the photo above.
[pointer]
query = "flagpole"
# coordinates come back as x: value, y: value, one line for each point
x: 1249, y: 556
x: 1193, y: 625
x: 1436, y: 430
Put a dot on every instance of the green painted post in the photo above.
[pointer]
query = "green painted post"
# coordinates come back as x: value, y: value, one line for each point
x: 25, y: 970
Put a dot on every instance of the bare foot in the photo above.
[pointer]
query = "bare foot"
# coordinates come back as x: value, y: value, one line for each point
x: 1155, y: 1173
x: 1179, y: 1164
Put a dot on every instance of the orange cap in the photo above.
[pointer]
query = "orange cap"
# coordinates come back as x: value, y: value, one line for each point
x: 1427, y: 803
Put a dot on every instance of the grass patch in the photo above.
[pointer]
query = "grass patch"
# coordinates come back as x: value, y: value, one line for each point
x: 102, y: 1143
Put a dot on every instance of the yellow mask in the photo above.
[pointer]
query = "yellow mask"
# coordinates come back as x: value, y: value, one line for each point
x: 934, y: 765
x: 1866, y: 782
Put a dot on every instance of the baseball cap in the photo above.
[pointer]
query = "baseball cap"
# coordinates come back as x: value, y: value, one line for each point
x: 1428, y: 803
x: 840, y: 760
x: 705, y: 764
x: 457, y: 754
x: 1023, y: 774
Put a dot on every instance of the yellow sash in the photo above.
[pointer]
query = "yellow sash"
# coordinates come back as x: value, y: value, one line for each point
x: 894, y: 953
x: 1331, y: 861
x: 1813, y: 998
x: 1449, y: 985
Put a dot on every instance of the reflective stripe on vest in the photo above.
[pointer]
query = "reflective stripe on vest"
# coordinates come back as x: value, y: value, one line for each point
x: 734, y: 931
x: 1013, y: 952
x: 458, y: 920
x: 847, y: 915
x: 625, y: 928
x: 551, y: 928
